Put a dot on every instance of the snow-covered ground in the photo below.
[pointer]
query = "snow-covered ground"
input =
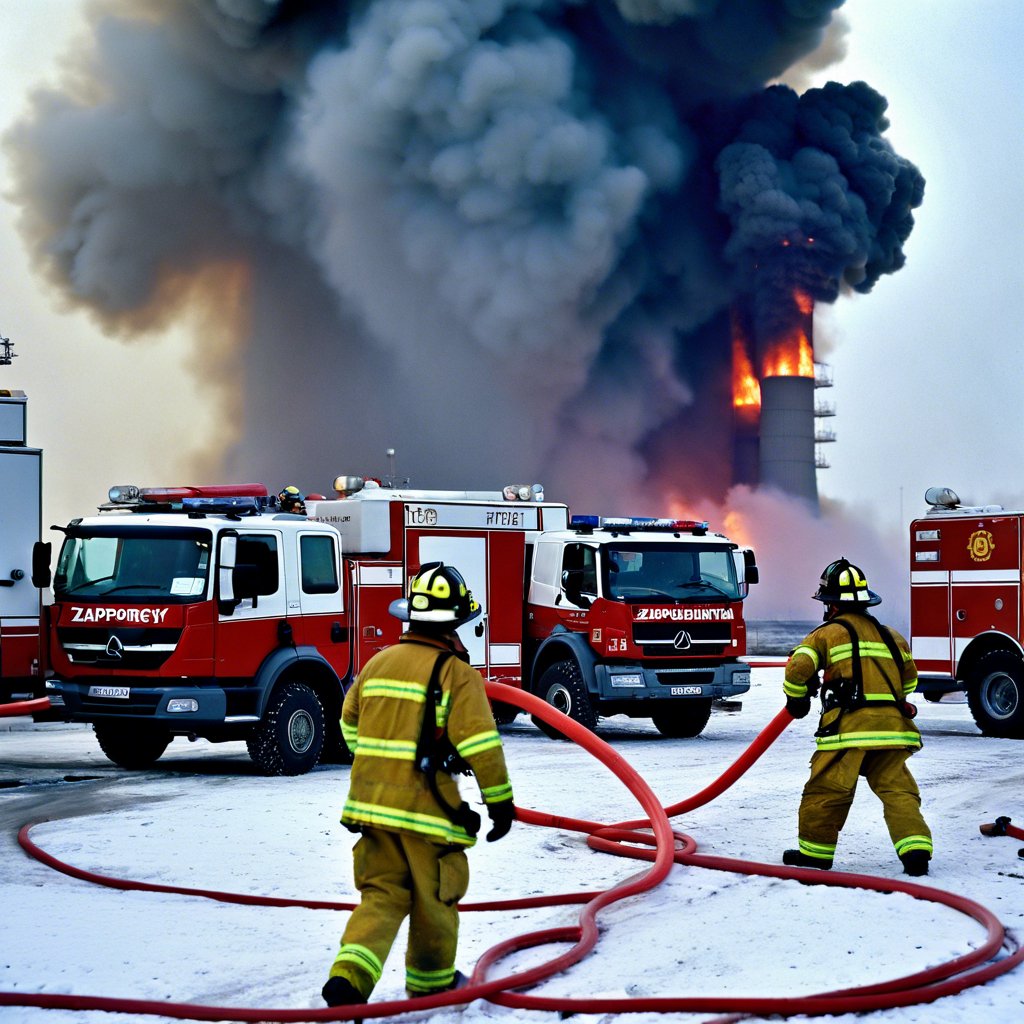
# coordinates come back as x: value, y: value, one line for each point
x: 204, y: 819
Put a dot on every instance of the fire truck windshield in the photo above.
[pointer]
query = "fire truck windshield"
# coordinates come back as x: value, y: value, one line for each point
x: 644, y: 572
x: 169, y: 565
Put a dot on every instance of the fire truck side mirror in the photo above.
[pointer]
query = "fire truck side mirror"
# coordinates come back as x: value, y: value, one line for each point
x: 751, y: 572
x: 572, y: 584
x: 41, y: 577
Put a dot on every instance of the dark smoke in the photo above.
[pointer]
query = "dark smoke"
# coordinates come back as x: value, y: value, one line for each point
x: 497, y: 235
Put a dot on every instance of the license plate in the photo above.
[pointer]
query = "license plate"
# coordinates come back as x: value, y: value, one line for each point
x: 110, y: 691
x: 687, y: 691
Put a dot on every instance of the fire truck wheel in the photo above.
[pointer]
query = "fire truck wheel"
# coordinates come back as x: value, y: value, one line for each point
x: 291, y: 736
x: 504, y: 714
x: 130, y: 745
x: 683, y: 718
x: 562, y: 686
x: 995, y: 695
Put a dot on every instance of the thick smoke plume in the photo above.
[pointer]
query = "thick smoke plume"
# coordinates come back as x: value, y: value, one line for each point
x: 501, y: 236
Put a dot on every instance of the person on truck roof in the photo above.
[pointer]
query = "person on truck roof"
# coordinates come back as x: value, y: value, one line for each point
x: 417, y: 713
x: 291, y: 499
x: 865, y: 727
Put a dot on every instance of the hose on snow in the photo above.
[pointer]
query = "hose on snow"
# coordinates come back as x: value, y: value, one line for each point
x: 651, y: 839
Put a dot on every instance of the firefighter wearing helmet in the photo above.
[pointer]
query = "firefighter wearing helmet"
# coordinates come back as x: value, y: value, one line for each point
x: 417, y: 713
x: 865, y: 727
x: 291, y: 499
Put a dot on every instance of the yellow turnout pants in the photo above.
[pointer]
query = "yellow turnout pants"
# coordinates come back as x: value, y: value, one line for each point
x: 400, y: 875
x: 829, y: 793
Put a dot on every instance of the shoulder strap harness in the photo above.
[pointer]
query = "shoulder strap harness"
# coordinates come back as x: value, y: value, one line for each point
x: 848, y: 694
x: 435, y: 751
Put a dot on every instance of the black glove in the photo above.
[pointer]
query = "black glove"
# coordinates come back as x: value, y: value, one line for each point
x: 798, y: 707
x: 503, y: 813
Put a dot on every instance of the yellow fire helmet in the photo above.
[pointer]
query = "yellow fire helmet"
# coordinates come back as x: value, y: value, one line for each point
x: 437, y: 595
x: 844, y: 584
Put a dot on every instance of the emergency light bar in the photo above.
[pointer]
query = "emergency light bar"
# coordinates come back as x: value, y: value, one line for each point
x: 129, y: 494
x: 636, y: 523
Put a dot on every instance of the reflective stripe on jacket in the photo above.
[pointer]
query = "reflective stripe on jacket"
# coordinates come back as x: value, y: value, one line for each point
x: 381, y: 720
x: 881, y: 722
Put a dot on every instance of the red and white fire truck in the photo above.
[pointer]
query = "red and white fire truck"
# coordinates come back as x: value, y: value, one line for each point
x: 965, y: 608
x: 208, y: 612
x: 20, y: 522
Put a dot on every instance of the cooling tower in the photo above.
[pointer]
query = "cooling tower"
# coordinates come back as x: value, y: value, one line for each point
x: 787, y: 457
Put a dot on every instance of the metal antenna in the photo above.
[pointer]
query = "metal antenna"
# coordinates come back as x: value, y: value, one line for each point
x: 390, y: 453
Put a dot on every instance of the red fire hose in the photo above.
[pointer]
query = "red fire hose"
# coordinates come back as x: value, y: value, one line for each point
x: 651, y: 839
x: 18, y: 708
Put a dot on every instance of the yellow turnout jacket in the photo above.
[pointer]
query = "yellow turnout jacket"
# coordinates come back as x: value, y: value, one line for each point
x: 381, y: 721
x: 879, y: 720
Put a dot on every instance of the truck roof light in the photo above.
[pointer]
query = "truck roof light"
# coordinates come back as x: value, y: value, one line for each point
x: 637, y: 523
x: 124, y: 494
x: 228, y: 505
x: 346, y: 485
x: 150, y: 498
x: 942, y: 497
x: 523, y: 492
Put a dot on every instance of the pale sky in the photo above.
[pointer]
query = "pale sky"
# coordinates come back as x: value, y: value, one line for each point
x: 928, y: 368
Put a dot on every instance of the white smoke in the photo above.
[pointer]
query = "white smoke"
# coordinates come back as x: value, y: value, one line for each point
x: 793, y: 544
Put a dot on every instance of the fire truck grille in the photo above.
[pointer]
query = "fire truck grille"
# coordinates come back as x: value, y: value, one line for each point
x: 130, y: 650
x: 140, y: 704
x: 682, y: 639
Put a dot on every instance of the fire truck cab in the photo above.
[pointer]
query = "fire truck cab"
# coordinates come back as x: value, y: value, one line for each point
x: 965, y: 608
x: 201, y: 613
x: 641, y: 617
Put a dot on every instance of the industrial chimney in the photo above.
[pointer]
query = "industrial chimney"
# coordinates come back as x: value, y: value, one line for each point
x: 786, y: 455
x: 774, y: 430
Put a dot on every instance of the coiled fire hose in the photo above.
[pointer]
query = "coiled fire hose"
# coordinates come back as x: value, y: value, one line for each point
x: 651, y: 839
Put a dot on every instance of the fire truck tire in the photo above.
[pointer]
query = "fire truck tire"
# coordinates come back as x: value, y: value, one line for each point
x: 682, y: 719
x: 504, y: 714
x: 290, y: 738
x: 130, y: 745
x: 995, y: 695
x: 561, y: 685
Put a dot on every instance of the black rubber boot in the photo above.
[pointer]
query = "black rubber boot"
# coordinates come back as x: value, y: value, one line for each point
x: 341, y: 992
x: 796, y: 859
x: 915, y: 863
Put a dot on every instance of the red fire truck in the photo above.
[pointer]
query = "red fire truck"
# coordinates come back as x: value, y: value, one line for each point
x: 965, y: 608
x: 208, y: 612
x: 20, y: 522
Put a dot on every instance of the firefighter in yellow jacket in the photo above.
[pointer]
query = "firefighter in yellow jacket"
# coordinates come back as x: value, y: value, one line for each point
x: 865, y: 727
x: 417, y: 713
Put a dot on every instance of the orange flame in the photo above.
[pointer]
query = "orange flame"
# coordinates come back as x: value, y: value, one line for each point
x: 746, y: 391
x: 792, y: 355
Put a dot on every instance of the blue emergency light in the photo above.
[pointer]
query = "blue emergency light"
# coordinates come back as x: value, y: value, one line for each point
x: 636, y: 523
x: 237, y: 505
